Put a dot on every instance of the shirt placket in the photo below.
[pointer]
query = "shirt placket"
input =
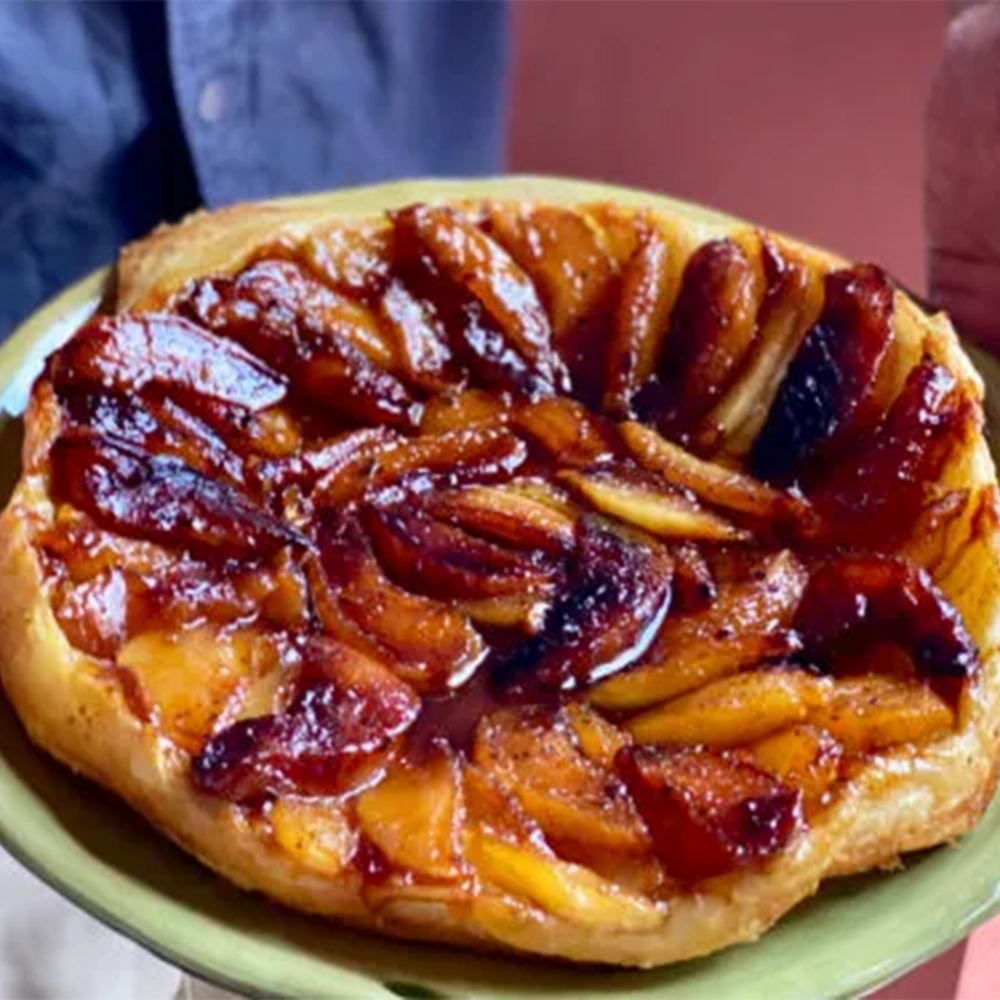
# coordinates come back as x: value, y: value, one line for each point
x: 211, y: 62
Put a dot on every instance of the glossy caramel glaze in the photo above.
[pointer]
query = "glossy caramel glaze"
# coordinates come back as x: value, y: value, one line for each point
x: 451, y: 507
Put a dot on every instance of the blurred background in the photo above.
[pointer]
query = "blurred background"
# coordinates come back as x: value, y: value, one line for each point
x: 806, y: 117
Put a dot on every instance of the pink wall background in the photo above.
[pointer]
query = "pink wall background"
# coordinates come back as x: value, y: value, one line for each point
x: 806, y: 117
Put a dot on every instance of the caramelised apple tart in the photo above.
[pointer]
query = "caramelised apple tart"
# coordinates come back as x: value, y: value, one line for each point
x: 574, y: 579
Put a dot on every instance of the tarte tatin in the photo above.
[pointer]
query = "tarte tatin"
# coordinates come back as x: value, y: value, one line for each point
x: 578, y: 579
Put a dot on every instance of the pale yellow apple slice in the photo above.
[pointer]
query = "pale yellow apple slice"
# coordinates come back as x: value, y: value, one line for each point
x: 413, y: 816
x: 872, y: 712
x: 734, y: 710
x: 188, y: 676
x: 664, y: 513
x: 710, y: 482
x: 316, y: 832
x: 566, y: 890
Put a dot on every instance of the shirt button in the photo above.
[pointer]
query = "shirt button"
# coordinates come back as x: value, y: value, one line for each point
x: 212, y: 102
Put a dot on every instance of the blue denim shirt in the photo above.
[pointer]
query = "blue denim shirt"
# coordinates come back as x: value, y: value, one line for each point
x: 116, y: 116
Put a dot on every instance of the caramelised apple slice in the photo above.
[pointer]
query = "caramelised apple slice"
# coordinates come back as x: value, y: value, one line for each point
x: 181, y: 592
x: 733, y: 710
x: 712, y: 327
x: 272, y: 432
x: 494, y: 809
x: 525, y: 612
x: 711, y: 483
x: 480, y: 454
x: 832, y: 373
x: 339, y: 733
x: 277, y: 311
x: 477, y: 266
x: 616, y: 596
x: 428, y: 643
x: 131, y: 353
x: 694, y: 649
x: 804, y: 757
x: 599, y: 739
x: 790, y: 308
x: 116, y: 587
x: 154, y: 423
x: 567, y: 431
x: 508, y: 517
x: 332, y: 349
x: 435, y: 558
x: 620, y: 229
x: 644, y: 503
x: 567, y: 890
x: 419, y: 340
x: 559, y: 249
x: 580, y: 805
x: 160, y: 498
x: 577, y: 284
x: 650, y: 283
x: 873, y: 496
x: 326, y: 465
x: 881, y: 598
x: 94, y: 613
x: 461, y: 409
x: 169, y: 667
x: 339, y: 377
x: 707, y: 813
x: 316, y: 832
x: 872, y: 712
x: 265, y: 694
x: 414, y: 815
x: 547, y: 493
x: 509, y: 850
x: 351, y: 259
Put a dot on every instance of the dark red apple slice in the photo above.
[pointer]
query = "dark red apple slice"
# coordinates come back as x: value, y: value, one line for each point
x: 650, y: 282
x: 331, y: 348
x: 274, y: 309
x: 830, y: 376
x: 339, y: 377
x: 158, y: 497
x: 435, y: 558
x: 872, y: 497
x: 712, y: 327
x: 429, y: 643
x: 482, y: 271
x: 607, y: 616
x: 155, y: 424
x: 131, y: 353
x: 884, y: 599
x: 707, y: 813
x: 339, y: 732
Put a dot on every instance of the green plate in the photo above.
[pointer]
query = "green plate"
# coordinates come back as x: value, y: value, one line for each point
x: 857, y: 934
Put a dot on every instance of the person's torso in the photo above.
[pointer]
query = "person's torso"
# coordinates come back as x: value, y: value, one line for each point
x: 117, y: 116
